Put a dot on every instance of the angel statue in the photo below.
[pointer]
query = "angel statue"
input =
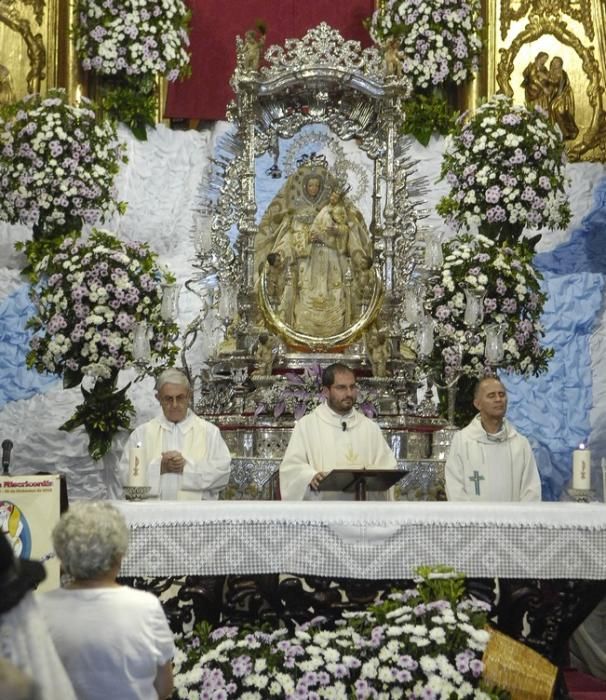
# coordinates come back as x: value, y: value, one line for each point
x: 324, y: 246
x: 392, y: 57
x: 252, y: 50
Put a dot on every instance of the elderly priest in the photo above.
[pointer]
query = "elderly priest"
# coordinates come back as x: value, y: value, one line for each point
x: 333, y: 436
x: 180, y: 456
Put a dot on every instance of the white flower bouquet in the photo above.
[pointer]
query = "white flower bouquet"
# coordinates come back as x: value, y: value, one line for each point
x: 89, y: 294
x: 425, y: 642
x: 58, y: 164
x: 439, y: 40
x: 502, y: 277
x: 505, y: 167
x: 133, y: 37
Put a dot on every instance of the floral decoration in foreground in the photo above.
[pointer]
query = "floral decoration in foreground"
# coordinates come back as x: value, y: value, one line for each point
x: 89, y: 294
x: 505, y: 167
x: 133, y: 37
x: 504, y: 276
x: 301, y: 393
x: 426, y: 642
x: 58, y: 164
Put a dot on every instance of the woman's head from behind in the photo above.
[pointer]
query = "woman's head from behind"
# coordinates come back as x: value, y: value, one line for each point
x: 90, y: 539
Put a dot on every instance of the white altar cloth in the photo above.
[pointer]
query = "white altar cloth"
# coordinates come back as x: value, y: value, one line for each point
x: 371, y: 540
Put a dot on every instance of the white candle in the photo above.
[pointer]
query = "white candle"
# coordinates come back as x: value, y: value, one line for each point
x: 603, y: 465
x: 581, y: 469
x: 137, y: 475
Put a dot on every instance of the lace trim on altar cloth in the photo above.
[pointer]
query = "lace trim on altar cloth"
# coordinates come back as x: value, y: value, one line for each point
x: 365, y: 540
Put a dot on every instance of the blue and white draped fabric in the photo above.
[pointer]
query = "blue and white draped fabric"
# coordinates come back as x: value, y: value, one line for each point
x: 16, y: 380
x: 555, y: 410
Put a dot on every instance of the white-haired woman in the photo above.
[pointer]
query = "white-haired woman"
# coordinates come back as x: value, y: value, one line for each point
x: 114, y: 641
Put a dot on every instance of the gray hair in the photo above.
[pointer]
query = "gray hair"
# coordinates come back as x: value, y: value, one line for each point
x: 172, y: 375
x: 90, y: 539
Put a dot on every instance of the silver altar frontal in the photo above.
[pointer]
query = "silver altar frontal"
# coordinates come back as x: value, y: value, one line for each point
x: 366, y: 540
x: 306, y: 237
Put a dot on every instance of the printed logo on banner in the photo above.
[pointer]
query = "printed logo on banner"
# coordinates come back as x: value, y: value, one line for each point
x: 14, y: 525
x: 29, y: 509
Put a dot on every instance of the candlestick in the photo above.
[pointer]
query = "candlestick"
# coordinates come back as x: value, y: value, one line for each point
x: 581, y: 469
x: 603, y: 465
x: 137, y: 473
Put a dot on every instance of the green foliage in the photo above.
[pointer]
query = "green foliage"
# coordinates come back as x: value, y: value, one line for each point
x: 103, y: 413
x: 427, y: 114
x: 132, y: 101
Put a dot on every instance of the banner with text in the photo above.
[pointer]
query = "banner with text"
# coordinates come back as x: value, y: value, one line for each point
x: 29, y: 509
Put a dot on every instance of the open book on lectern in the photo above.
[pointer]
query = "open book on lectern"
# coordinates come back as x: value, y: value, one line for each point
x: 347, y: 480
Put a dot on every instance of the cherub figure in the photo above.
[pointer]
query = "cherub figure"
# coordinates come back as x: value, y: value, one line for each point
x: 252, y: 50
x: 392, y: 57
x: 264, y: 356
x: 380, y: 355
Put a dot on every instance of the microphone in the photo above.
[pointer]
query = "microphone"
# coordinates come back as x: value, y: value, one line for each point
x: 343, y: 426
x: 7, y: 446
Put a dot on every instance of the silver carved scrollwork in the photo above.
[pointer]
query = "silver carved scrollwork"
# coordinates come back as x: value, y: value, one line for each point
x: 319, y: 79
x: 318, y: 98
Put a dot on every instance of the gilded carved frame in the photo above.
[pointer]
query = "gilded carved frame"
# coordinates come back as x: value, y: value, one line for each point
x: 574, y: 30
x: 35, y: 48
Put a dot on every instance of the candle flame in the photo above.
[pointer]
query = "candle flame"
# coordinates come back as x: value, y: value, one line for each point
x: 582, y: 446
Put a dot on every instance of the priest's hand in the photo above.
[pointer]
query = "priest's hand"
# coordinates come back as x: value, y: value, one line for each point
x: 315, y: 482
x: 172, y: 463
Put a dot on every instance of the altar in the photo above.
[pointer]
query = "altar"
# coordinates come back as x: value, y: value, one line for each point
x: 540, y: 566
x: 365, y: 540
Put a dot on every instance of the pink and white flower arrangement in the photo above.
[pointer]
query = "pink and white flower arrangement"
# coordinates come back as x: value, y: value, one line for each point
x: 133, y: 37
x: 417, y: 643
x: 440, y: 40
x: 502, y: 275
x: 89, y: 295
x: 301, y: 393
x: 58, y: 164
x: 505, y: 167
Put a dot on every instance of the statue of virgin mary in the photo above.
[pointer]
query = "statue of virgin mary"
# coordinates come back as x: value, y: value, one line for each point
x: 318, y: 247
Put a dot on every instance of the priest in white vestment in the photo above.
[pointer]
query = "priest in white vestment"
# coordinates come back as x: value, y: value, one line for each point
x: 489, y: 460
x: 182, y: 456
x: 333, y: 436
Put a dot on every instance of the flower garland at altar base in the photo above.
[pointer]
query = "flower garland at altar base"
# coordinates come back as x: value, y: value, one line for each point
x: 58, y: 164
x: 303, y: 392
x: 425, y: 642
x: 89, y: 296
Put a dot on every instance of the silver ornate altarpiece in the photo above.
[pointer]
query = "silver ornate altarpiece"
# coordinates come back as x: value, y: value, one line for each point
x: 320, y: 274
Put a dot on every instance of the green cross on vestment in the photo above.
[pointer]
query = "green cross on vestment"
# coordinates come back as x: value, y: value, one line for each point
x: 476, y: 478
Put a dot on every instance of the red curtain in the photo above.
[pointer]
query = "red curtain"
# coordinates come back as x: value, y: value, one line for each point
x: 206, y: 93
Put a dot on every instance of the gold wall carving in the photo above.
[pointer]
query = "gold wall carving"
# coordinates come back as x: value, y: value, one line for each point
x: 570, y: 30
x: 36, y: 53
x: 35, y: 49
